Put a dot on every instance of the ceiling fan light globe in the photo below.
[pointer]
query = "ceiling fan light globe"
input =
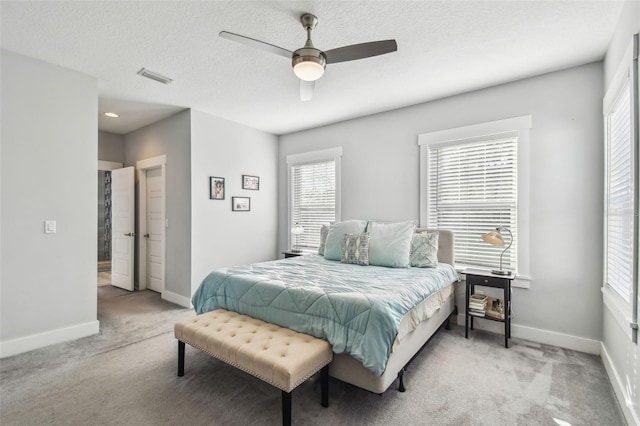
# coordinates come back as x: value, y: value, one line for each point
x: 308, y: 63
x: 308, y: 70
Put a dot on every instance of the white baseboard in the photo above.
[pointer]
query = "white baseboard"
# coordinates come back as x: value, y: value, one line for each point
x: 630, y: 413
x: 37, y: 341
x: 547, y: 337
x: 176, y: 298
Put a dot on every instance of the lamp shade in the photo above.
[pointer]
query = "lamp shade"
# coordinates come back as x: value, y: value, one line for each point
x: 494, y: 238
x: 297, y: 230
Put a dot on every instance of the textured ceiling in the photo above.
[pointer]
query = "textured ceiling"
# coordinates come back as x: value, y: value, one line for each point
x: 444, y: 48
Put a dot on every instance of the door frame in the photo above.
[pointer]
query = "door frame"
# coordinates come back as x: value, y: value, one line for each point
x: 142, y: 167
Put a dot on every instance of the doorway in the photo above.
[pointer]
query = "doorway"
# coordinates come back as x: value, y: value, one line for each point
x: 104, y: 221
x: 104, y: 227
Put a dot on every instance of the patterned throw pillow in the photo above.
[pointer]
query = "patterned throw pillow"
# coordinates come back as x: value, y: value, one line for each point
x: 355, y: 249
x: 324, y: 231
x: 424, y: 250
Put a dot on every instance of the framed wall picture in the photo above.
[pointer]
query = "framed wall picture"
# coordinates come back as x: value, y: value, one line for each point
x: 216, y: 188
x: 240, y: 204
x: 250, y: 182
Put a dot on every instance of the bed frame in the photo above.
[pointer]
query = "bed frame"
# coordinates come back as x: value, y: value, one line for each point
x: 348, y: 369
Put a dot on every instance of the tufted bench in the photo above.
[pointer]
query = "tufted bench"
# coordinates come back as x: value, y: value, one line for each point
x: 279, y: 356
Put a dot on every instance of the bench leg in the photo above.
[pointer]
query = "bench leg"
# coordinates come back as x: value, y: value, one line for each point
x: 180, y: 358
x: 324, y: 385
x: 286, y: 408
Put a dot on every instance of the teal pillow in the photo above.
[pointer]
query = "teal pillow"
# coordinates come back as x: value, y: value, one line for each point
x: 335, y: 237
x: 424, y: 250
x: 390, y: 243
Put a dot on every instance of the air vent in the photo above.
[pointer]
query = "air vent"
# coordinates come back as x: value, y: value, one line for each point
x: 154, y: 76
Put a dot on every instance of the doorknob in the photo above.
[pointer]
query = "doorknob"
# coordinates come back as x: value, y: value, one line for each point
x: 146, y: 235
x: 130, y: 234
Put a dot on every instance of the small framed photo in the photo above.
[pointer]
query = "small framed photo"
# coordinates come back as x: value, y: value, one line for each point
x: 250, y: 182
x: 216, y: 188
x: 240, y: 204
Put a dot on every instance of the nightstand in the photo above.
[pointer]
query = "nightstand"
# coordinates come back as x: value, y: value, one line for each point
x: 290, y: 253
x: 487, y: 279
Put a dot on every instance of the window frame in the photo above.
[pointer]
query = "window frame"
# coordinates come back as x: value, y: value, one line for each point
x: 518, y: 126
x: 330, y: 154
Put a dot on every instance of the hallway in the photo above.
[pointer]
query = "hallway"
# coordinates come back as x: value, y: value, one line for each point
x: 104, y: 278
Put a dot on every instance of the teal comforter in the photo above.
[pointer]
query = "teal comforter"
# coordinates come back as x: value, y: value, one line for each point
x: 357, y: 309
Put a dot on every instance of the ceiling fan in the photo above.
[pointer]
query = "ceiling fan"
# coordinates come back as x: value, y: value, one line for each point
x: 308, y: 62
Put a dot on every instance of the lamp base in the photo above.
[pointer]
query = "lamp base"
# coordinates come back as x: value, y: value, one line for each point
x: 500, y: 272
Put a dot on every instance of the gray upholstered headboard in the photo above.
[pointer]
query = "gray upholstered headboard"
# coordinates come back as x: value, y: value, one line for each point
x: 445, y: 244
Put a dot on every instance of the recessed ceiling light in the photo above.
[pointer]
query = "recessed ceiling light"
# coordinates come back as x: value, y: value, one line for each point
x: 111, y: 114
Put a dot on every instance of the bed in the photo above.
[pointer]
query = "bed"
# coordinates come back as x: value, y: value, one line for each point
x: 376, y: 318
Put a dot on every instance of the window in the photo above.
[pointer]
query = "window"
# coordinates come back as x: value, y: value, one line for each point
x: 314, y: 194
x: 469, y: 184
x: 619, y: 195
x: 472, y: 189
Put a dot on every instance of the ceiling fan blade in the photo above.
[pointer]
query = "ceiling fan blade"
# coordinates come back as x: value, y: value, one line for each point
x: 360, y: 51
x: 252, y: 42
x: 306, y: 90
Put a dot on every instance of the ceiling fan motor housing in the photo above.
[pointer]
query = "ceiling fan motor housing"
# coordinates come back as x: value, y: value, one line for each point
x: 308, y: 63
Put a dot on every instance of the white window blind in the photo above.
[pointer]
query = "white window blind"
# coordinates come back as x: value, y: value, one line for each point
x: 472, y: 189
x: 313, y: 200
x: 619, y: 203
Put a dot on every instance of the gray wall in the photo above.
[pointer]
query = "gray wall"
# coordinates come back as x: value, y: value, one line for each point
x: 219, y: 236
x: 380, y: 180
x: 48, y: 289
x: 110, y: 147
x: 621, y: 355
x: 170, y: 137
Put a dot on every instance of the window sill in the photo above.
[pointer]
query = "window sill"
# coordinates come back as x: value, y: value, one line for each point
x: 309, y: 251
x: 620, y: 310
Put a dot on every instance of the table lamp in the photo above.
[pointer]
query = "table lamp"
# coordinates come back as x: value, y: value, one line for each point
x: 495, y: 238
x: 297, y: 230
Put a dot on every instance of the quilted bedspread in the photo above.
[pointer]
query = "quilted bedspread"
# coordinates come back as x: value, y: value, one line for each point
x: 357, y: 309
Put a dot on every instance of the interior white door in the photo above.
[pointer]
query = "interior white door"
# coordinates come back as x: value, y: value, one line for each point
x: 123, y: 227
x: 155, y: 230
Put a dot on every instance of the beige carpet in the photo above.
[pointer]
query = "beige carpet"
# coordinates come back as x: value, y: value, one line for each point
x: 127, y: 376
x: 104, y: 278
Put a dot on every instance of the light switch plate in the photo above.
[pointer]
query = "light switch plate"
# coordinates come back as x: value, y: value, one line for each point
x: 49, y: 226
